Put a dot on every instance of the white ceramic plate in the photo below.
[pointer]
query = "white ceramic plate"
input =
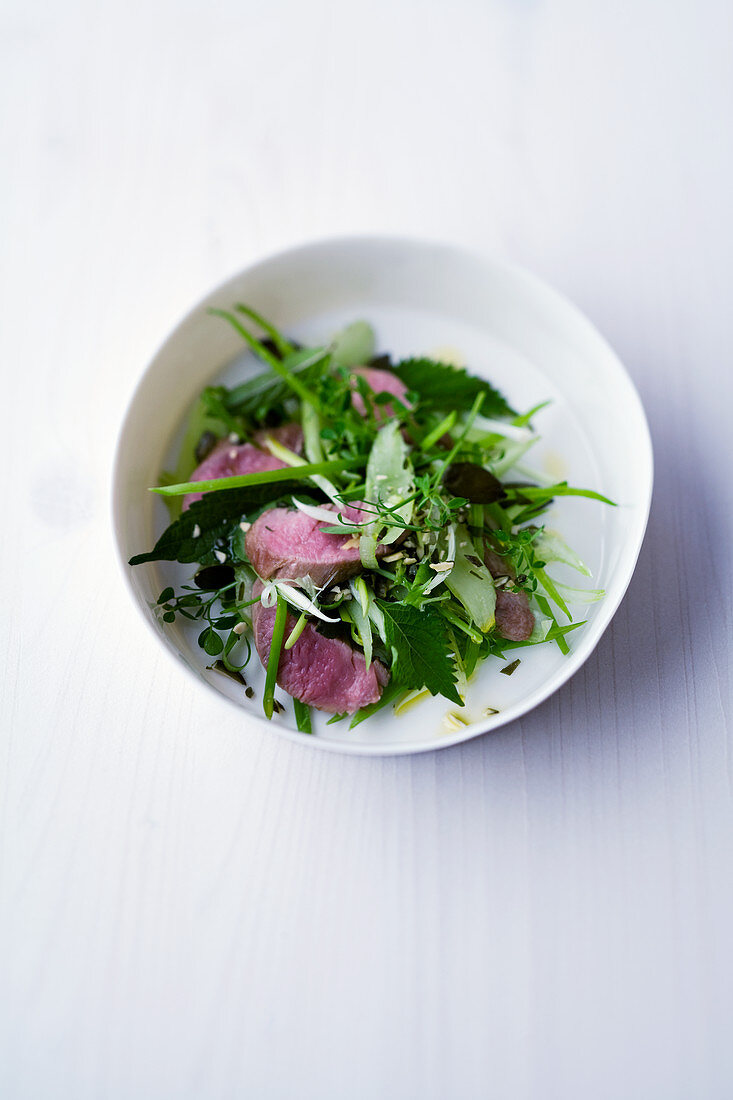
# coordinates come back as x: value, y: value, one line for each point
x: 422, y: 299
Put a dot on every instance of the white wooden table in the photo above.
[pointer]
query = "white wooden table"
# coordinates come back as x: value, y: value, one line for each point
x: 541, y: 914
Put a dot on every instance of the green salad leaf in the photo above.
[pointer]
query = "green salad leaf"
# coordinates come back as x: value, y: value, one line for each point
x: 211, y: 519
x: 440, y: 385
x: 420, y: 648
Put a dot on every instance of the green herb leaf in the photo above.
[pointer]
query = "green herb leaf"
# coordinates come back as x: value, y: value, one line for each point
x: 215, y: 515
x: 420, y: 649
x: 443, y: 386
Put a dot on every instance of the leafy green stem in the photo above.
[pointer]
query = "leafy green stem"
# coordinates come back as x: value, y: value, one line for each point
x: 273, y: 661
x: 265, y: 477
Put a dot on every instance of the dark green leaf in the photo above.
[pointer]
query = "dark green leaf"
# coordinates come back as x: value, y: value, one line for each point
x: 215, y: 515
x: 420, y: 649
x: 166, y: 594
x: 444, y: 386
x: 227, y: 622
x: 210, y: 642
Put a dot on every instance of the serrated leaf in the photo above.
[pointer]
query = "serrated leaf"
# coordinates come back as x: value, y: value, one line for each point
x: 214, y: 515
x: 420, y: 649
x: 444, y: 386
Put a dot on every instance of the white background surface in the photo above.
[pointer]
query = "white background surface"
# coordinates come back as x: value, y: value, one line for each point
x: 545, y: 913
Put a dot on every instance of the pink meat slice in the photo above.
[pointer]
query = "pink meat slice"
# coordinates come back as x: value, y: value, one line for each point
x: 323, y: 672
x: 285, y: 544
x: 514, y: 616
x: 380, y: 381
x: 228, y: 459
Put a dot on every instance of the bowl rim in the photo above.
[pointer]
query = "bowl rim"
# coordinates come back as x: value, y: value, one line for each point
x: 607, y: 610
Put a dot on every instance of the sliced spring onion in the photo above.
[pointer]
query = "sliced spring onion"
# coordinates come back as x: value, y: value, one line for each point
x: 549, y: 546
x: 295, y: 597
x: 471, y: 583
x: 324, y: 514
x: 484, y: 425
x: 579, y: 595
x: 353, y: 345
x: 389, y: 481
x: 363, y: 627
x: 296, y: 631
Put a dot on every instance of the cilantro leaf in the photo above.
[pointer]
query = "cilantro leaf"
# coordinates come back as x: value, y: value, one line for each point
x: 420, y: 649
x: 215, y: 515
x: 441, y: 385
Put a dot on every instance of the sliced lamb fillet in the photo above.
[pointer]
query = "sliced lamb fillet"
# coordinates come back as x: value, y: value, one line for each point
x: 380, y: 381
x: 323, y: 672
x: 514, y: 616
x: 285, y: 544
x: 228, y: 459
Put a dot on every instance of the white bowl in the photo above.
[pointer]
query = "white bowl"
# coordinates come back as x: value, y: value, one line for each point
x: 422, y: 298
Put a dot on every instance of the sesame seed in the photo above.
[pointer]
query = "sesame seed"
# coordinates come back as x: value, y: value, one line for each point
x: 394, y: 557
x: 233, y: 453
x: 220, y: 556
x: 233, y: 437
x: 410, y: 561
x: 240, y: 628
x: 442, y: 566
x: 381, y: 477
x: 244, y: 527
x: 196, y: 532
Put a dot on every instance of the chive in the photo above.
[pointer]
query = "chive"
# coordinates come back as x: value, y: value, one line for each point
x: 282, y: 345
x: 295, y: 384
x: 562, y: 489
x: 551, y: 591
x: 524, y: 419
x: 437, y: 433
x: 302, y: 716
x: 475, y: 409
x: 559, y: 638
x: 509, y: 669
x: 452, y: 618
x: 265, y: 477
x: 273, y: 661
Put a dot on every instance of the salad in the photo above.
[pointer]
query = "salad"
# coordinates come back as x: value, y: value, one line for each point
x: 365, y: 526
